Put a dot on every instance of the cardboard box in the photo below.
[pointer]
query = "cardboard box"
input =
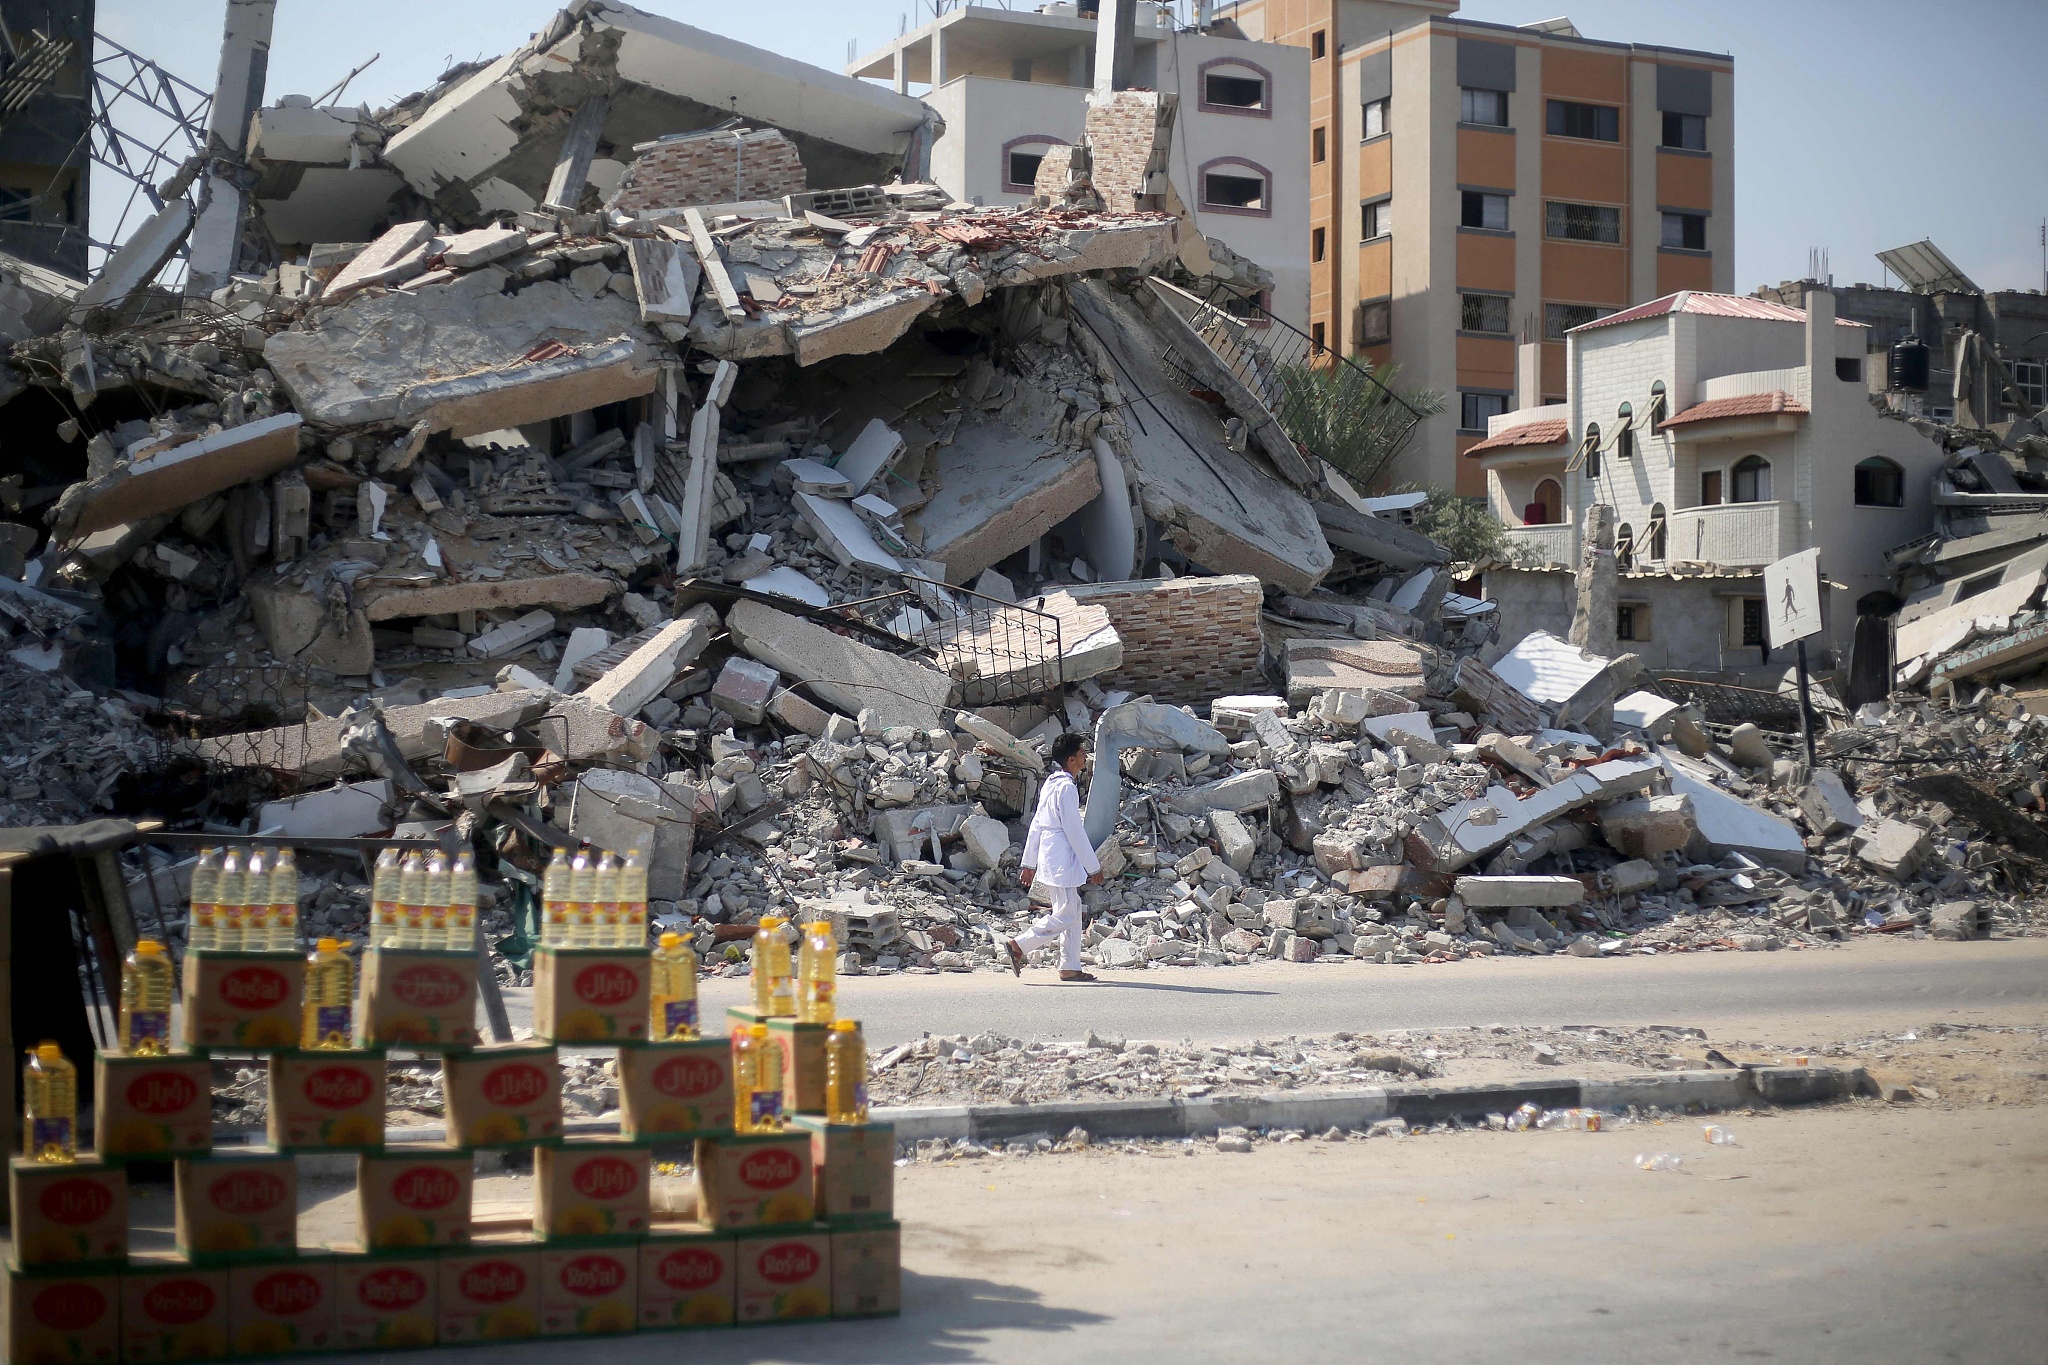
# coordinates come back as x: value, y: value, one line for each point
x: 68, y: 1213
x: 867, y: 1271
x: 754, y: 1180
x: 245, y: 1001
x: 592, y: 1187
x: 282, y: 1306
x: 590, y: 995
x: 237, y: 1207
x: 803, y: 1064
x: 675, y: 1089
x: 854, y: 1166
x: 155, y: 1107
x: 490, y: 1291
x: 384, y: 1302
x: 739, y: 1016
x: 687, y: 1279
x: 173, y: 1310
x: 414, y: 1197
x: 58, y: 1318
x: 417, y: 998
x: 784, y: 1275
x: 503, y: 1096
x: 326, y: 1101
x: 589, y: 1290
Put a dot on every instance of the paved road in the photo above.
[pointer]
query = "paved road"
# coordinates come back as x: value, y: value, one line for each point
x: 1864, y: 985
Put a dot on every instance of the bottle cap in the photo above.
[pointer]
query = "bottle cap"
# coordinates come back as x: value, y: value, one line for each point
x: 47, y: 1051
x: 671, y: 940
x: 845, y: 1025
x: 757, y: 1030
x: 821, y: 926
x: 148, y: 947
x: 328, y: 945
x: 772, y: 921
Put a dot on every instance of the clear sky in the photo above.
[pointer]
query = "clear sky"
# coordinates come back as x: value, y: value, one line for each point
x: 1860, y: 124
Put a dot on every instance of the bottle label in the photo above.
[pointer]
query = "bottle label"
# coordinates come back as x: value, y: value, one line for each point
x: 57, y: 1132
x: 779, y: 993
x: 818, y: 992
x: 766, y: 1106
x: 147, y: 1026
x: 329, y: 1020
x: 678, y: 1014
x: 860, y: 1096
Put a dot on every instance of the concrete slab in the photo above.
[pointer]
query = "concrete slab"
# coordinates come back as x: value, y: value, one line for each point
x: 1730, y: 823
x: 648, y: 670
x: 783, y: 581
x: 665, y: 277
x: 873, y: 451
x: 315, y: 749
x: 380, y: 261
x: 1545, y: 669
x: 344, y: 812
x: 179, y: 476
x: 844, y: 535
x: 1504, y: 893
x: 999, y: 490
x: 1354, y: 666
x: 841, y: 671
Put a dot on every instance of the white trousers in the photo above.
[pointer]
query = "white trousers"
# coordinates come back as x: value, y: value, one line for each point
x: 1062, y: 924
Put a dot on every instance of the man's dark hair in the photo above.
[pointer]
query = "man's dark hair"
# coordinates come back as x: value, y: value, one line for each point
x: 1065, y: 747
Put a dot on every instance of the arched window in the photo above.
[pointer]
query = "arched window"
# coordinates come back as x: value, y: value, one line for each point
x: 1231, y: 85
x: 1625, y: 547
x: 1656, y: 532
x: 1880, y: 483
x: 1750, y: 480
x: 1588, y: 457
x: 1659, y: 404
x: 1625, y: 434
x: 1545, y: 506
x: 1231, y: 184
x: 1021, y: 156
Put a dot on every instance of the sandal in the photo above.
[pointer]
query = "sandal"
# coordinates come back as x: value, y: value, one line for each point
x: 1079, y: 976
x: 1016, y: 956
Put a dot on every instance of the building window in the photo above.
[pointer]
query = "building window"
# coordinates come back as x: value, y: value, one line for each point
x: 1375, y: 118
x: 1376, y: 322
x: 1849, y: 369
x: 1546, y: 507
x: 2030, y: 378
x: 1686, y: 231
x: 1485, y: 313
x: 1315, y: 336
x: 1750, y: 480
x: 1379, y: 219
x: 1632, y: 621
x: 1710, y: 488
x: 1252, y: 310
x: 1478, y: 210
x: 1475, y: 408
x: 1654, y: 532
x: 1021, y: 159
x: 17, y: 205
x: 1581, y: 222
x: 1981, y: 584
x: 1687, y: 132
x: 1488, y: 107
x: 1753, y: 621
x: 1235, y: 89
x: 1625, y: 547
x: 1597, y: 122
x: 1315, y: 145
x: 1318, y: 45
x: 1880, y: 483
x: 1020, y: 68
x: 1625, y: 435
x: 1559, y: 318
x: 1230, y: 185
x: 1317, y: 243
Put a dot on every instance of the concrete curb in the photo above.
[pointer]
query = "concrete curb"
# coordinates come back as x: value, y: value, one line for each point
x: 1419, y: 1103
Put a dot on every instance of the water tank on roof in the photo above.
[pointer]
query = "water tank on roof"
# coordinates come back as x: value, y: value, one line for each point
x: 1906, y: 365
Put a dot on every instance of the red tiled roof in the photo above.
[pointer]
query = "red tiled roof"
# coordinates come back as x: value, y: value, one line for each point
x: 1530, y: 434
x: 1708, y: 305
x: 1745, y: 405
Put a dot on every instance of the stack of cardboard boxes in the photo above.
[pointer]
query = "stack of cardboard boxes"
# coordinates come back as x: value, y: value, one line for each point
x: 787, y: 1226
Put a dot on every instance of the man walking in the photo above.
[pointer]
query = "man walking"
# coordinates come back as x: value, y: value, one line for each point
x: 1058, y: 850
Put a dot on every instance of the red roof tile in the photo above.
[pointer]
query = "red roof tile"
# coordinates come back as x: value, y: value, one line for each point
x: 1530, y: 434
x: 1745, y: 405
x: 1708, y: 305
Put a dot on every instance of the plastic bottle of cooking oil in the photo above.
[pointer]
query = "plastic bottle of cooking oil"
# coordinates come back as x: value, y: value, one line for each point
x: 846, y: 1073
x: 774, y: 993
x: 757, y: 1081
x: 283, y: 936
x: 583, y: 899
x: 412, y: 901
x: 202, y: 927
x: 555, y: 913
x: 230, y: 909
x: 146, y: 991
x: 255, y: 900
x: 330, y: 997
x: 384, y: 900
x: 49, y: 1089
x: 674, y: 991
x: 632, y: 931
x: 440, y: 886
x: 462, y: 897
x: 817, y: 973
x: 604, y: 932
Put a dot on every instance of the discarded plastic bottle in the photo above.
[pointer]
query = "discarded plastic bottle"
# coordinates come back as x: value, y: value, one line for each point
x: 846, y: 1073
x: 1718, y: 1135
x: 146, y: 991
x: 583, y: 899
x: 202, y: 926
x: 282, y: 918
x: 632, y: 930
x: 757, y: 1081
x: 1553, y: 1119
x: 774, y: 993
x: 1585, y: 1120
x: 554, y: 900
x: 1524, y: 1117
x: 817, y: 964
x: 604, y: 931
x: 412, y: 901
x: 1658, y: 1161
x: 231, y: 907
x: 462, y: 899
x: 435, y: 932
x: 49, y: 1091
x: 384, y: 899
x: 674, y: 991
x: 330, y: 997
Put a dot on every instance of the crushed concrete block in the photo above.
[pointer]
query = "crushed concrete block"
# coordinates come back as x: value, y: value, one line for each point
x: 1626, y: 879
x: 648, y: 670
x: 1234, y: 838
x: 1959, y: 920
x: 468, y: 250
x: 625, y: 811
x: 1827, y: 806
x: 809, y: 476
x: 1245, y: 791
x: 1893, y: 847
x: 583, y: 642
x: 798, y: 714
x: 1000, y: 740
x: 345, y: 812
x: 513, y: 636
x: 584, y: 732
x: 987, y: 840
x: 1649, y: 827
x: 665, y: 278
x: 783, y: 581
x: 1746, y: 745
x: 872, y: 452
x: 844, y: 535
x: 393, y: 256
x: 743, y: 689
x: 844, y: 672
x: 1501, y: 893
x: 998, y: 490
x: 174, y: 477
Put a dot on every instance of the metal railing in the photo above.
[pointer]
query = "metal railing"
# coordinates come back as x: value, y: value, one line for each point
x: 996, y: 651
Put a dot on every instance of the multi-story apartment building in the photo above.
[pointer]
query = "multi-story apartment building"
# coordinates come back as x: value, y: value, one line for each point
x: 45, y: 91
x: 1012, y: 84
x: 1472, y: 184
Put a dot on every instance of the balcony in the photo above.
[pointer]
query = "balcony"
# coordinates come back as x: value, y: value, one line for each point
x: 1736, y: 535
x: 1533, y: 545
